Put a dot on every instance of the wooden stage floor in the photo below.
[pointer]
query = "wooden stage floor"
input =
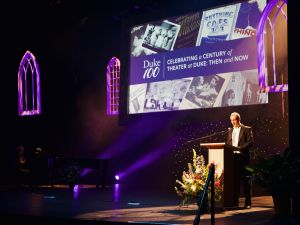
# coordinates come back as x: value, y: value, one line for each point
x: 120, y: 205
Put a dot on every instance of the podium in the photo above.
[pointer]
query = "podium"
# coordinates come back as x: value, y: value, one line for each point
x: 221, y: 155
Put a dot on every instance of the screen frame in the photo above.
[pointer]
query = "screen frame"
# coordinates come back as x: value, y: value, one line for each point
x: 177, y: 9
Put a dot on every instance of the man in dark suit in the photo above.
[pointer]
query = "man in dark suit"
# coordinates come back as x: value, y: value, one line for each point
x: 241, y: 137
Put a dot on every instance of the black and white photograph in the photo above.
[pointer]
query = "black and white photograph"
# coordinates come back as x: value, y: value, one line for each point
x: 214, y: 30
x: 160, y: 37
x: 204, y: 90
x: 137, y: 34
x: 165, y: 95
x: 137, y: 97
x: 243, y: 88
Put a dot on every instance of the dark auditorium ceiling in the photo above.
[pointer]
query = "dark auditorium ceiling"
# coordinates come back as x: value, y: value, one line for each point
x: 115, y: 10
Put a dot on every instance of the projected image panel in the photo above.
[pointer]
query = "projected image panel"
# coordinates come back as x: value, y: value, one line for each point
x: 158, y: 96
x: 160, y: 36
x: 137, y: 37
x: 243, y: 89
x: 204, y: 91
x: 137, y: 98
x: 217, y: 24
x: 201, y: 52
x: 166, y: 95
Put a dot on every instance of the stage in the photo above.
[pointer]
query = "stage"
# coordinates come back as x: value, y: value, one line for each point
x: 119, y: 205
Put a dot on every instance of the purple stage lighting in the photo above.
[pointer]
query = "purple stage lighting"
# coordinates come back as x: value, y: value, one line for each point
x: 29, y: 93
x: 113, y: 86
x: 276, y: 5
x: 149, y: 158
x: 117, y: 177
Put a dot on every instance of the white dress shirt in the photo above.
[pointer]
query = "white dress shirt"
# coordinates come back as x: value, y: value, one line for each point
x: 235, y: 136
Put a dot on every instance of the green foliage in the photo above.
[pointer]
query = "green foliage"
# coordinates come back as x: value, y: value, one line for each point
x: 276, y: 171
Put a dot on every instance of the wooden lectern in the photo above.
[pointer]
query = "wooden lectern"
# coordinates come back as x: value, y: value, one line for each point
x: 221, y: 155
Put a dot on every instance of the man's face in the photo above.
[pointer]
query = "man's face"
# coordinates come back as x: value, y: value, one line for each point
x: 234, y: 121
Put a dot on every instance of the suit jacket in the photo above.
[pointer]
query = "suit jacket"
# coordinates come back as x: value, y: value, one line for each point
x: 245, y: 139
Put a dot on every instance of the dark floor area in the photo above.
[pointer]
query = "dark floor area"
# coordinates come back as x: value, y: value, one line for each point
x: 121, y: 205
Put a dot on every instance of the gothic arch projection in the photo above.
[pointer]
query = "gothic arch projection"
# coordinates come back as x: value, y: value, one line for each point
x: 29, y: 94
x: 113, y: 86
x: 272, y: 47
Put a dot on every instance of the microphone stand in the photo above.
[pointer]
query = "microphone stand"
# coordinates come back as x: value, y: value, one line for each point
x: 210, y: 135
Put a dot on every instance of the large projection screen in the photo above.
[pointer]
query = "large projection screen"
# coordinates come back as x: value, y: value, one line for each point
x: 204, y: 59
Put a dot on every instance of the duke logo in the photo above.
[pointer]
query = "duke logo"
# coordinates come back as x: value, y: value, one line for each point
x: 152, y: 68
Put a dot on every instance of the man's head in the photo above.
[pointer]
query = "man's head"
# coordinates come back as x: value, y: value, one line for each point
x: 235, y: 119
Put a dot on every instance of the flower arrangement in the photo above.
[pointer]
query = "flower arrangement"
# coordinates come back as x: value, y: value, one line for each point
x: 193, y: 181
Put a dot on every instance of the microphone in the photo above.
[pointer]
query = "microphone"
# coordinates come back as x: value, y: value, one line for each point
x: 222, y: 131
